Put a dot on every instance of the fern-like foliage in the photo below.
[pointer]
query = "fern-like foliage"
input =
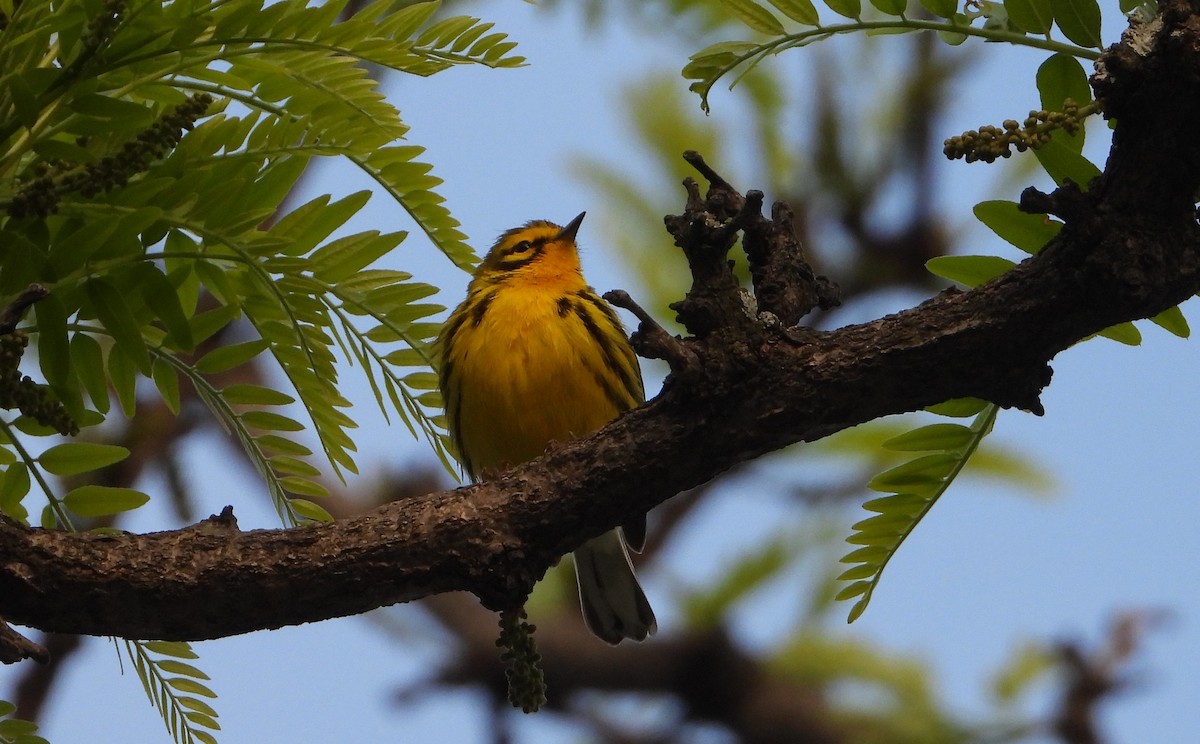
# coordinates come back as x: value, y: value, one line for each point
x: 912, y: 489
x: 175, y: 687
x: 1022, y: 22
x: 146, y: 146
x: 1062, y: 83
x: 146, y: 150
x: 916, y: 485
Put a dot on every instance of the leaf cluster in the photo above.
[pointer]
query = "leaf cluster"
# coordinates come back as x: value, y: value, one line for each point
x: 175, y: 687
x: 146, y: 149
x: 915, y: 486
x: 16, y: 730
x: 912, y: 489
x: 159, y: 236
x: 791, y: 24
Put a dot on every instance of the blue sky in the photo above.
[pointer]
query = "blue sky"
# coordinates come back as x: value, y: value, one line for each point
x: 987, y: 569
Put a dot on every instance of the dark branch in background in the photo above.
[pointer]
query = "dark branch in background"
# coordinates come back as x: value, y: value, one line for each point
x: 1130, y: 250
x: 708, y: 674
x: 1094, y: 675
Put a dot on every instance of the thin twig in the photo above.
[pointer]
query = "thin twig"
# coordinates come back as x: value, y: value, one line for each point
x: 714, y: 179
x: 652, y: 340
x: 15, y: 647
x: 12, y: 314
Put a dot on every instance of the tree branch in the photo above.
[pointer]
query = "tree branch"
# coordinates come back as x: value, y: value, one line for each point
x: 11, y: 314
x: 1130, y: 249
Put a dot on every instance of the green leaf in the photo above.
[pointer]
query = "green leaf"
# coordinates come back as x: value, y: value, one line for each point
x: 1079, y: 20
x: 341, y: 259
x: 88, y: 360
x: 270, y: 421
x: 197, y: 705
x: 1124, y: 333
x: 24, y: 100
x: 892, y: 8
x: 54, y: 356
x: 178, y: 667
x: 856, y: 589
x: 968, y: 270
x: 1034, y: 16
x: 255, y: 395
x: 163, y: 300
x: 854, y: 573
x: 1063, y: 162
x: 166, y: 379
x: 931, y: 437
x: 202, y: 720
x: 1029, y: 232
x: 101, y: 501
x: 303, y: 487
x: 205, y: 324
x: 292, y: 466
x: 14, y: 729
x: 72, y: 458
x: 1061, y: 77
x: 918, y: 474
x: 191, y: 686
x: 941, y: 8
x: 310, y: 511
x: 896, y: 503
x: 959, y: 407
x: 177, y: 649
x: 952, y: 38
x: 123, y: 376
x: 1172, y: 321
x: 801, y: 11
x: 112, y: 311
x: 309, y: 224
x: 55, y: 149
x: 225, y: 358
x: 755, y: 16
x: 851, y: 9
x: 272, y: 443
x: 13, y: 488
x: 104, y: 107
x: 216, y: 281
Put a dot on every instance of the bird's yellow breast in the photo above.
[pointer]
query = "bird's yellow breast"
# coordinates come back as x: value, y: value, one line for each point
x: 528, y: 373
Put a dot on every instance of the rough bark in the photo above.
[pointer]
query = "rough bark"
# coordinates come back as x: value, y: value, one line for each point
x: 745, y: 384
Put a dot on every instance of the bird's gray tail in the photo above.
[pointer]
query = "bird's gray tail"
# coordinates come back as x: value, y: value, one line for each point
x: 614, y: 605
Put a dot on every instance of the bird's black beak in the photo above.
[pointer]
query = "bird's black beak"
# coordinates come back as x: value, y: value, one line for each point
x: 568, y: 232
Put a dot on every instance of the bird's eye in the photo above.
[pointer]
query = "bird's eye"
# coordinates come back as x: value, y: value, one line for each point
x: 521, y: 247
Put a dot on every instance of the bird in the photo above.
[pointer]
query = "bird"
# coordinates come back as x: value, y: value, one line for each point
x: 532, y: 356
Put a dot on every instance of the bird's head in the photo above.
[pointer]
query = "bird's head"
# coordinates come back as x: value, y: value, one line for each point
x: 536, y: 248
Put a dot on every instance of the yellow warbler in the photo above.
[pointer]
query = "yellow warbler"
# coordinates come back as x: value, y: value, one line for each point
x: 533, y: 355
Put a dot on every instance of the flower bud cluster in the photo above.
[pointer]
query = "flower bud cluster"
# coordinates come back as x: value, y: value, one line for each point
x: 40, y: 195
x: 990, y: 142
x: 526, y: 682
x: 22, y: 393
